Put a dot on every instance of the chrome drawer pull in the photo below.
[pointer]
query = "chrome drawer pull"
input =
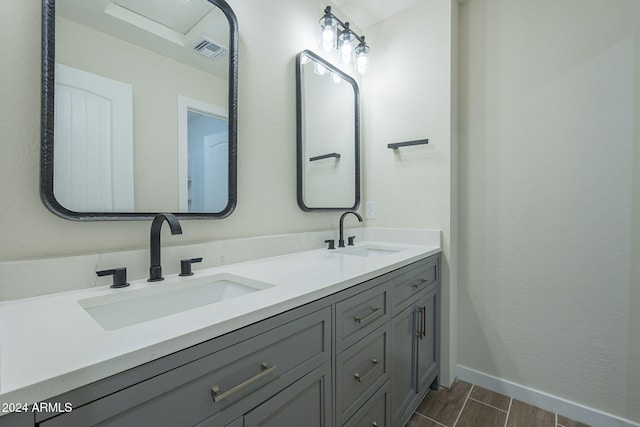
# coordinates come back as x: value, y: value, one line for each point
x: 359, y: 378
x: 420, y: 283
x: 374, y: 310
x: 218, y: 396
x: 375, y: 424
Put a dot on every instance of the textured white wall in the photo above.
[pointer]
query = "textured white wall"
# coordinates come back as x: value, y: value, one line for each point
x: 407, y: 96
x: 550, y: 197
x: 266, y: 139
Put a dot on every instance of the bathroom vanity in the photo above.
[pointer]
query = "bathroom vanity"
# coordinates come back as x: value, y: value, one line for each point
x: 364, y: 353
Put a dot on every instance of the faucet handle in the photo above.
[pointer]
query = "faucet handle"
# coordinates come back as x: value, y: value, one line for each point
x: 351, y: 239
x: 119, y: 276
x: 185, y: 266
x: 332, y: 243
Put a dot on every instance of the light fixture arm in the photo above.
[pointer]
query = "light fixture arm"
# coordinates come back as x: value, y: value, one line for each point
x: 344, y: 25
x: 338, y: 35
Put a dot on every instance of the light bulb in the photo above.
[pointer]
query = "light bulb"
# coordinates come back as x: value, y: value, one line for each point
x: 346, y: 48
x: 346, y: 51
x: 361, y: 57
x: 328, y: 33
x: 335, y: 78
x: 361, y: 63
x: 319, y: 69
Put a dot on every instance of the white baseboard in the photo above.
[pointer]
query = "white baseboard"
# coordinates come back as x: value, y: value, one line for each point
x: 543, y: 400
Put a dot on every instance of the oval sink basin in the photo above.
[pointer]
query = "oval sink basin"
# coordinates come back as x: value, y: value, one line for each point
x: 370, y: 251
x: 125, y: 308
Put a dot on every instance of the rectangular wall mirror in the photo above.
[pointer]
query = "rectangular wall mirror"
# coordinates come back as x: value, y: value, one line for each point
x: 139, y: 108
x: 328, y: 136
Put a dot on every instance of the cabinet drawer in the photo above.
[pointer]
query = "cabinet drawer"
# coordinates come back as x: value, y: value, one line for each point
x: 374, y: 413
x: 360, y: 371
x: 359, y: 315
x: 423, y: 275
x: 227, y: 383
x: 306, y: 403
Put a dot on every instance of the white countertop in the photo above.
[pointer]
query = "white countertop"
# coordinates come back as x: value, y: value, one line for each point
x: 50, y: 345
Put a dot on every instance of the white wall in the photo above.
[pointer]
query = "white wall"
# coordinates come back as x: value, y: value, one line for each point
x: 550, y: 197
x: 266, y: 139
x: 407, y: 96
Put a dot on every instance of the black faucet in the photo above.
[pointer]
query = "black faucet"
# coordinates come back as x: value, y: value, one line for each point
x: 155, y: 269
x: 341, y: 240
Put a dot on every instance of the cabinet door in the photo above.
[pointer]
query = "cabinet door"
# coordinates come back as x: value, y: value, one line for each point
x: 427, y: 343
x: 305, y: 403
x: 403, y: 378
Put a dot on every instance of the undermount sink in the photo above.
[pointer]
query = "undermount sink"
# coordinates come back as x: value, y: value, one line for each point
x: 370, y: 251
x: 118, y: 310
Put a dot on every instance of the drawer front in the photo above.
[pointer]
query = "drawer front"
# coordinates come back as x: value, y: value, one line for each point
x: 306, y: 403
x: 425, y: 274
x: 360, y: 371
x: 374, y: 413
x: 359, y: 315
x: 228, y: 382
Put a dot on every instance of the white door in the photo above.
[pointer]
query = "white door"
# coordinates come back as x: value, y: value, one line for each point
x: 216, y: 172
x: 196, y: 121
x: 93, y: 146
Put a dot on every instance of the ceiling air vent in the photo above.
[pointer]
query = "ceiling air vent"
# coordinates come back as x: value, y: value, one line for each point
x: 208, y: 48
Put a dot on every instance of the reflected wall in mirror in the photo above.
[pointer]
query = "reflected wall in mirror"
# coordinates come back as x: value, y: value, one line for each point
x: 328, y: 136
x: 139, y: 108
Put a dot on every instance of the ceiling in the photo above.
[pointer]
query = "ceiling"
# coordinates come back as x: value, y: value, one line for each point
x: 170, y: 28
x: 365, y: 13
x: 179, y: 15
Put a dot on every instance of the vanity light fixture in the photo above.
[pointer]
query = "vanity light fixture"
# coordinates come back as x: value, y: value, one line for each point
x: 335, y: 34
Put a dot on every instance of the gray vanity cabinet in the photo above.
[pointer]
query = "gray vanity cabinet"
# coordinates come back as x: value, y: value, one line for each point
x: 387, y: 346
x: 213, y: 390
x: 364, y: 356
x: 415, y: 343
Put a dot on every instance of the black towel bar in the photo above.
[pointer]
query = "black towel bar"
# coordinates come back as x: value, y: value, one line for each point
x: 408, y: 143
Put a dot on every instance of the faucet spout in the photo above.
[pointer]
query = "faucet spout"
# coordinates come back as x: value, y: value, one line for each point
x: 155, y: 267
x: 341, y: 240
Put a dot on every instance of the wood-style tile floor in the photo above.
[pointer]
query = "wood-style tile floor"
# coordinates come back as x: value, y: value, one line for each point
x: 467, y: 405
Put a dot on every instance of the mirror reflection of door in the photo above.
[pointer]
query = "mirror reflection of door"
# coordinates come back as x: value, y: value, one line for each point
x: 203, y: 161
x: 208, y: 173
x: 93, y: 149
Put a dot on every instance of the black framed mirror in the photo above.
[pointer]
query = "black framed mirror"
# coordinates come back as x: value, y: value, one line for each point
x: 139, y: 109
x: 328, y: 136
